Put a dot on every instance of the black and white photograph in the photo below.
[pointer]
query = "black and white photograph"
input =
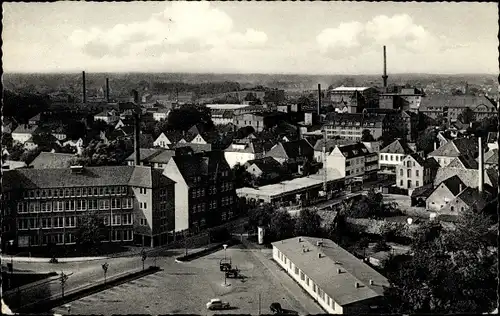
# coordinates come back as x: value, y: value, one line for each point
x: 249, y: 158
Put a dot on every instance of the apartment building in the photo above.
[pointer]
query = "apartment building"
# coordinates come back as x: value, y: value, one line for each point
x: 351, y: 161
x: 222, y: 117
x: 240, y: 152
x: 393, y: 155
x: 338, y: 281
x: 351, y: 126
x: 449, y: 107
x: 402, y: 98
x: 415, y: 171
x: 205, y: 195
x: 47, y: 206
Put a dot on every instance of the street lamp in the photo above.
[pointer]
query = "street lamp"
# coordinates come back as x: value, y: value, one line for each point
x: 225, y: 247
x: 225, y: 273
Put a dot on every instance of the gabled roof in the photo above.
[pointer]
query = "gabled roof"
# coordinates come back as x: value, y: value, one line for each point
x: 163, y: 156
x: 48, y: 160
x: 197, y: 164
x: 474, y: 199
x: 397, y: 147
x: 331, y: 143
x: 36, y: 118
x: 464, y: 163
x: 427, y: 163
x: 470, y: 177
x: 323, y: 271
x: 457, y: 147
x: 25, y: 129
x: 146, y: 154
x: 267, y: 165
x: 90, y: 176
x: 353, y: 150
x: 423, y: 191
x: 454, y: 184
x: 491, y: 157
x: 292, y: 149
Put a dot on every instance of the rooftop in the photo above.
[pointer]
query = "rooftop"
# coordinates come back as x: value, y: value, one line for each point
x: 460, y: 101
x: 324, y: 271
x: 353, y: 150
x: 350, y: 89
x: 397, y: 147
x: 146, y: 154
x: 25, y: 129
x: 457, y: 147
x: 48, y: 160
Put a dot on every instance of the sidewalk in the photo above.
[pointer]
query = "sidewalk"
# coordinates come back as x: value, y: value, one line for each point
x: 264, y: 255
x: 7, y: 258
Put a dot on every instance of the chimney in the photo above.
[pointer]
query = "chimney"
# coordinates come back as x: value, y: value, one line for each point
x: 300, y: 239
x: 319, y: 97
x: 384, y: 77
x: 460, y: 187
x: 371, y: 282
x: 339, y: 271
x: 435, y: 146
x: 319, y: 254
x: 107, y: 90
x: 357, y: 285
x: 84, y: 89
x: 137, y: 129
x: 481, y: 165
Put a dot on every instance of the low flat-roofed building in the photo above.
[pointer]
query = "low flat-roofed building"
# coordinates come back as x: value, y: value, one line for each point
x: 333, y: 277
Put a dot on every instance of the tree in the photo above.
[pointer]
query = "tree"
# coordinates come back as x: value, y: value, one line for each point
x: 30, y: 155
x: 281, y: 225
x: 242, y: 177
x: 308, y: 224
x: 184, y: 118
x: 367, y: 136
x: 7, y: 140
x: 90, y: 231
x: 16, y: 151
x: 426, y: 140
x: 250, y: 97
x: 467, y: 116
x: 45, y: 141
x: 75, y: 130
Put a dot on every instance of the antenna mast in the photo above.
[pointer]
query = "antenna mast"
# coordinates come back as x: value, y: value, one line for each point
x: 325, y: 178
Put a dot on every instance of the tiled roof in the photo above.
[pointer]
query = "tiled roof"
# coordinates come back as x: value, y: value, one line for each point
x: 492, y: 137
x: 163, y: 156
x: 292, y: 149
x: 462, y: 101
x: 266, y: 164
x: 353, y: 150
x: 457, y: 147
x: 473, y: 198
x: 350, y: 89
x: 331, y: 143
x: 90, y: 176
x: 324, y: 271
x: 25, y: 129
x: 148, y: 177
x: 48, y: 160
x: 454, y: 184
x: 491, y: 157
x: 469, y: 177
x: 423, y: 191
x: 146, y: 154
x: 397, y: 147
x: 463, y: 162
x: 35, y: 118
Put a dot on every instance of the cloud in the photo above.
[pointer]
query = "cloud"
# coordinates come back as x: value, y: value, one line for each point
x: 181, y: 27
x: 398, y: 31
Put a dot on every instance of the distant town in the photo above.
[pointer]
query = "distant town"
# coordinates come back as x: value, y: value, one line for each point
x: 292, y: 195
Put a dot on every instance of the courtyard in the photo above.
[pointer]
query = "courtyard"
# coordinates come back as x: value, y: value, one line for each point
x: 185, y: 288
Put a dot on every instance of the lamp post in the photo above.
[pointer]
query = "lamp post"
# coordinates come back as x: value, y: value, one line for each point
x: 225, y: 273
x: 225, y: 247
x: 143, y: 258
x: 64, y: 278
x: 105, y: 267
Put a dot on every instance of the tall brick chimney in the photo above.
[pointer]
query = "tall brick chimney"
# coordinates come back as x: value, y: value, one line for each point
x: 319, y: 98
x: 384, y: 77
x: 107, y: 90
x: 137, y: 128
x: 481, y: 166
x: 84, y: 89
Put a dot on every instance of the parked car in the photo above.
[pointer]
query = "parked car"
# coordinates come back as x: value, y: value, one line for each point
x: 232, y: 274
x: 276, y: 308
x: 216, y: 303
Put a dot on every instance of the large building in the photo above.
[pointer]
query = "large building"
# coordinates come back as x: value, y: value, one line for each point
x: 336, y: 279
x: 353, y: 161
x: 47, y: 206
x: 392, y: 155
x: 450, y: 107
x: 402, y: 99
x: 353, y: 99
x: 205, y: 195
x: 415, y: 171
x: 351, y: 126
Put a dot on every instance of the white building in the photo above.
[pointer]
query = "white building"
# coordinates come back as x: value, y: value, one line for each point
x: 349, y: 160
x: 240, y: 153
x: 161, y: 114
x: 110, y: 117
x: 23, y: 133
x: 338, y: 281
x: 392, y: 155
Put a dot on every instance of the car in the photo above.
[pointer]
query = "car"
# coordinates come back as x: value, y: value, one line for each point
x: 216, y: 303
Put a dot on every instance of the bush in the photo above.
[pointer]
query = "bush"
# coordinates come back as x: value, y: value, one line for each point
x: 381, y: 246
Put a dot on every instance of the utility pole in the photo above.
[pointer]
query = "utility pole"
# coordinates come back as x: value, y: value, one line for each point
x: 64, y: 278
x: 143, y: 257
x: 259, y: 305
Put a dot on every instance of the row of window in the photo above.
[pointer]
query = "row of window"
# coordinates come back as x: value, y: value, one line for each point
x: 391, y: 158
x: 69, y: 221
x: 417, y: 184
x: 197, y: 208
x: 75, y: 192
x: 143, y: 205
x: 74, y: 205
x: 417, y: 172
x: 196, y: 193
x: 308, y: 282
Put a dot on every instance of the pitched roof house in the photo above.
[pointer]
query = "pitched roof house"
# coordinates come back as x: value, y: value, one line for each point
x: 293, y: 151
x: 467, y: 147
x: 48, y: 160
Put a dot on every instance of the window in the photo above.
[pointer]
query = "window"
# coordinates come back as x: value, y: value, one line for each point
x: 93, y: 204
x: 96, y: 191
x: 302, y: 276
x: 392, y: 157
x: 417, y: 184
x: 296, y: 270
x: 22, y: 224
x: 33, y: 207
x: 105, y: 220
x: 78, y: 192
x: 408, y: 173
x: 84, y: 192
x: 104, y: 204
x: 401, y: 183
x: 70, y: 221
x: 145, y: 205
x: 70, y: 238
x: 307, y: 281
x: 143, y: 222
x: 101, y: 191
x: 46, y: 223
x: 116, y: 220
x: 81, y: 205
x: 58, y: 222
x: 127, y: 219
x: 67, y: 193
x: 128, y: 235
x: 45, y: 207
x: 21, y: 207
x: 127, y: 203
x: 58, y: 238
x: 58, y: 206
x: 417, y: 173
x: 115, y: 236
x: 401, y: 172
x: 115, y: 203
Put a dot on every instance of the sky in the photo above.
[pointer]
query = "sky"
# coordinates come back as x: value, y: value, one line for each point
x: 251, y: 37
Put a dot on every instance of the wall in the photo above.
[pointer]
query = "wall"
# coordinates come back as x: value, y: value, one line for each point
x: 442, y: 160
x: 143, y: 213
x: 336, y: 161
x: 439, y: 198
x: 233, y: 157
x: 181, y: 196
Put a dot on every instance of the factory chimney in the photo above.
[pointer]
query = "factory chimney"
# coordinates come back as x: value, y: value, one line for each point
x: 481, y: 166
x: 384, y: 77
x: 137, y: 128
x: 107, y: 90
x: 84, y: 89
x: 319, y: 98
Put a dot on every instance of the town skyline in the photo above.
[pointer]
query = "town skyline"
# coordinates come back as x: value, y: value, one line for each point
x: 341, y: 38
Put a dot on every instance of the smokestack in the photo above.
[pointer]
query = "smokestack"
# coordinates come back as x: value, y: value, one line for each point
x: 107, y: 90
x: 319, y: 98
x: 384, y: 77
x: 137, y: 129
x: 481, y: 166
x: 84, y: 88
